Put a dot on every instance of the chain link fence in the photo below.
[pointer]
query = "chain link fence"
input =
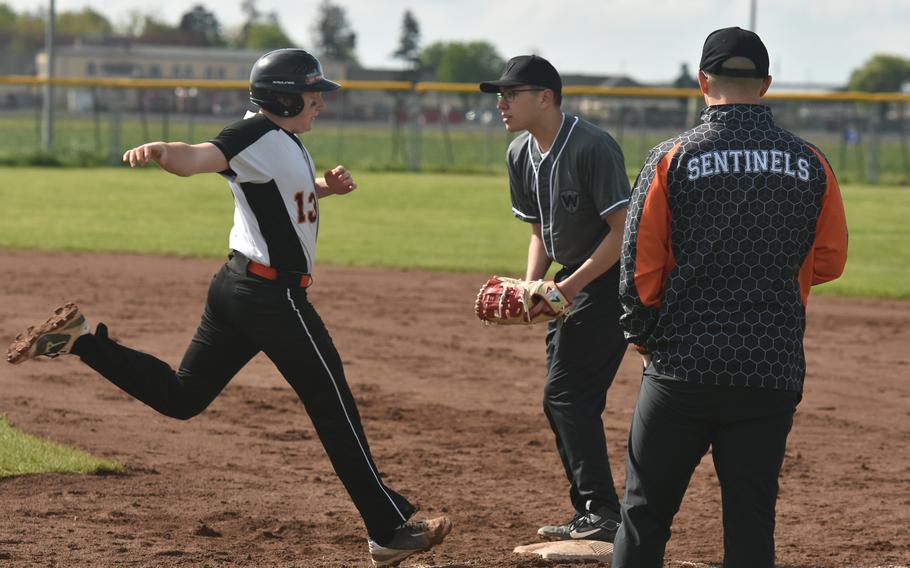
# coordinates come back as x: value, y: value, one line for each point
x: 420, y: 127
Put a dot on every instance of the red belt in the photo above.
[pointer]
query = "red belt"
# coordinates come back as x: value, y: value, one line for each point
x: 270, y: 273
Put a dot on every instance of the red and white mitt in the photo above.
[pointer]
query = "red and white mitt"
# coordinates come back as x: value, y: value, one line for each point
x: 508, y: 301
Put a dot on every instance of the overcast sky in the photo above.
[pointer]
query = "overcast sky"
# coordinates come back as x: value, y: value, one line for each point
x: 819, y: 41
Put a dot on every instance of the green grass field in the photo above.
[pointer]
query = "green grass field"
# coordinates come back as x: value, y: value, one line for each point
x: 433, y: 221
x: 23, y: 454
x: 430, y: 221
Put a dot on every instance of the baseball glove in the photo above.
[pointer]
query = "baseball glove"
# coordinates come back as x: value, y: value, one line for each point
x: 508, y: 301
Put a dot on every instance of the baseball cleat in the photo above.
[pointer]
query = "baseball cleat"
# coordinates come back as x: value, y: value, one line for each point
x: 559, y: 532
x: 54, y: 337
x: 585, y: 526
x: 410, y: 538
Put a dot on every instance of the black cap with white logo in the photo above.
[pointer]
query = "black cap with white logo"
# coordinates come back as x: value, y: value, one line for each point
x: 725, y: 43
x: 526, y: 70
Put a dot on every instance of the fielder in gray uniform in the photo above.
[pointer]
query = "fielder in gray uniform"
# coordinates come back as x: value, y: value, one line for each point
x: 568, y: 180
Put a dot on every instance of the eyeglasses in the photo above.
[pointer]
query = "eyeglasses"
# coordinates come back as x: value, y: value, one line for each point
x: 510, y: 96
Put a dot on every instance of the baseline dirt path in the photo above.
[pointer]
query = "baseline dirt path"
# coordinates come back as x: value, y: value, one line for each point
x: 247, y: 483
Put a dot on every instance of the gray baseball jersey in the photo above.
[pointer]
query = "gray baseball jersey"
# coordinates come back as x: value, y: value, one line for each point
x: 569, y: 190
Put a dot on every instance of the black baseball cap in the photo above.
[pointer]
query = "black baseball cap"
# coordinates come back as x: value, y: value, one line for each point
x: 526, y: 70
x: 725, y: 43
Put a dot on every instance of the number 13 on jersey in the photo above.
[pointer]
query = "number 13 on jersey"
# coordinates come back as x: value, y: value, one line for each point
x: 303, y: 214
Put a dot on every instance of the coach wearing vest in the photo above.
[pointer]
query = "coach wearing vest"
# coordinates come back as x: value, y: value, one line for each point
x: 730, y: 225
x: 568, y: 180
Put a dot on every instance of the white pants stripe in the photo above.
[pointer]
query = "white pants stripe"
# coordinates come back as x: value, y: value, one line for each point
x: 343, y: 407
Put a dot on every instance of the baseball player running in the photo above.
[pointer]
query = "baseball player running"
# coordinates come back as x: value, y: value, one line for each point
x: 258, y: 300
x: 730, y: 225
x: 568, y: 181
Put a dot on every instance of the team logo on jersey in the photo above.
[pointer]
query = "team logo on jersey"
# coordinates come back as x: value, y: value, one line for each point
x: 569, y: 200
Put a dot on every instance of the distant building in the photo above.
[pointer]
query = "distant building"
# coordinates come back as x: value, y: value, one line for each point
x: 618, y: 112
x: 149, y: 62
x: 581, y: 80
x: 141, y: 61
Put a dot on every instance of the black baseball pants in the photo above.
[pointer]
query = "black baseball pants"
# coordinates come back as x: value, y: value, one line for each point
x: 584, y: 351
x: 244, y: 315
x: 673, y: 426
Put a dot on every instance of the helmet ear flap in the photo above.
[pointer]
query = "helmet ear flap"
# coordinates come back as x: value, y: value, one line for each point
x: 281, y: 104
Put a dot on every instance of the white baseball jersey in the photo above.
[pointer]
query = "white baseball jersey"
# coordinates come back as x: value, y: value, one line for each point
x: 276, y: 208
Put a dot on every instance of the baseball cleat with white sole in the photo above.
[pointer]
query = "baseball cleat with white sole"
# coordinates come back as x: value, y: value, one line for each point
x: 560, y: 532
x: 54, y: 337
x: 410, y: 538
x: 602, y: 526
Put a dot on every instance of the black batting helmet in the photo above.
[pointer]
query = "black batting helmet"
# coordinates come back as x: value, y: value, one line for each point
x: 282, y: 72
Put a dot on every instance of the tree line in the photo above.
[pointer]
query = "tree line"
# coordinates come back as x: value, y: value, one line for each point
x: 332, y: 36
x: 22, y: 35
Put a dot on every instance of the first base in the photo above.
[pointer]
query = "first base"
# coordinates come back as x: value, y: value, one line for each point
x: 570, y: 550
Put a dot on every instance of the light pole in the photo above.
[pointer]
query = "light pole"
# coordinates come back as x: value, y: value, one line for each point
x: 48, y: 102
x: 752, y: 10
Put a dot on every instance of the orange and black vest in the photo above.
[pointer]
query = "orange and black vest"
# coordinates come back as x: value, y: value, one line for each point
x: 729, y: 225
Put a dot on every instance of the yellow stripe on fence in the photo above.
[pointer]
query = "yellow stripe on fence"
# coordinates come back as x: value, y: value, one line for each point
x: 438, y: 87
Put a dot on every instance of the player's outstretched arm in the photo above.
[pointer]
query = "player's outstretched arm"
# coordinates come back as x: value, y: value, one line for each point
x: 178, y: 158
x: 338, y: 181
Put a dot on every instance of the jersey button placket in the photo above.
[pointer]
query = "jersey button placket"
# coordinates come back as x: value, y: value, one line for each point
x: 545, y: 203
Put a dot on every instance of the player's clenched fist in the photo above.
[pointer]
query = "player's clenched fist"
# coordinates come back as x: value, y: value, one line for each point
x: 141, y: 155
x: 339, y: 180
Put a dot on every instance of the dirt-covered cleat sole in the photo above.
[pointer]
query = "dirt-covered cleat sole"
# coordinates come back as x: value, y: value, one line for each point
x: 409, y: 539
x: 54, y: 337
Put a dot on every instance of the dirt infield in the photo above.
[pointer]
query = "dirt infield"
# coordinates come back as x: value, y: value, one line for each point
x: 247, y: 483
